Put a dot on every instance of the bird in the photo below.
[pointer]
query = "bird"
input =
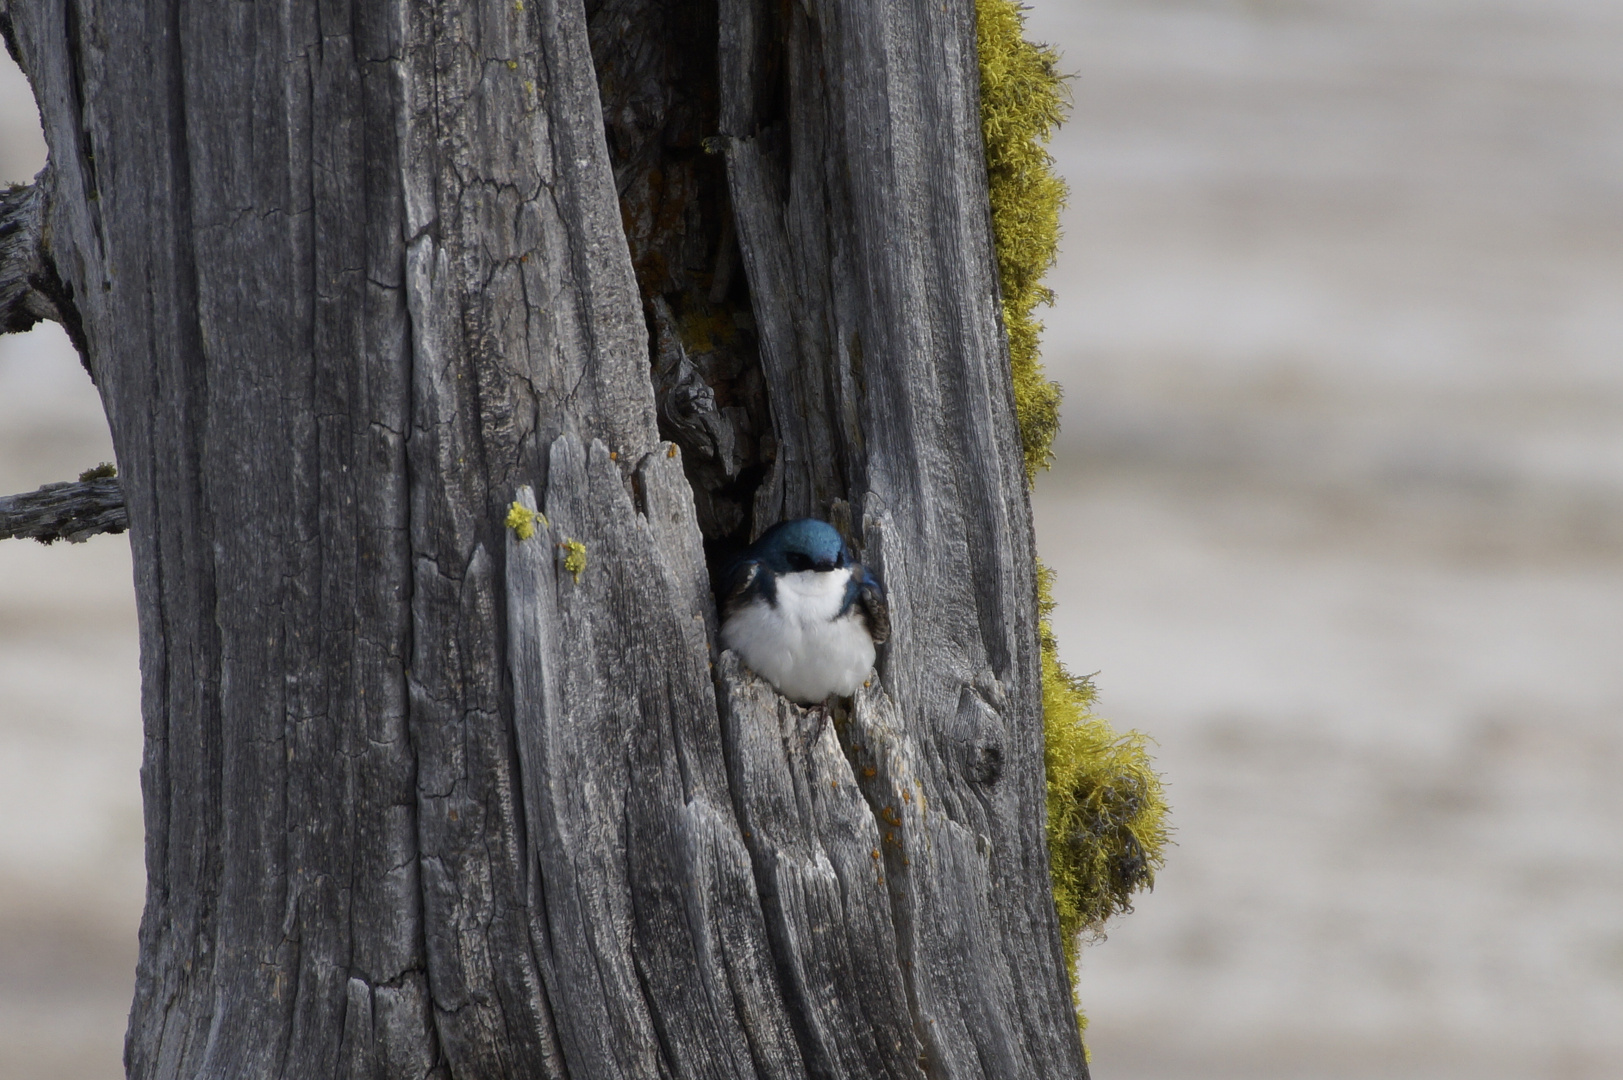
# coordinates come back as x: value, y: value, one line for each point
x: 802, y: 613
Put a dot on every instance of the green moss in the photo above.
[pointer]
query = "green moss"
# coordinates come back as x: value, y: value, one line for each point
x: 575, y: 561
x: 1107, y: 830
x: 101, y: 472
x: 1023, y: 98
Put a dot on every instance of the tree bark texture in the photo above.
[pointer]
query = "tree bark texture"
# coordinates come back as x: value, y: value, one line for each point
x: 423, y: 798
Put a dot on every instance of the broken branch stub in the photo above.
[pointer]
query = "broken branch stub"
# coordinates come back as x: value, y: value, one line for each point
x: 73, y: 511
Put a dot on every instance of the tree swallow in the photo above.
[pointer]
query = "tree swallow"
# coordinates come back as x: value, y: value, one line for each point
x: 802, y: 612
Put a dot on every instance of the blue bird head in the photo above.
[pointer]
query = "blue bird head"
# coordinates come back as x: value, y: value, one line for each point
x: 803, y: 544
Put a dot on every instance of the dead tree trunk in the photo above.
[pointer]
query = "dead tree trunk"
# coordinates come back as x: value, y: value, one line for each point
x: 424, y: 798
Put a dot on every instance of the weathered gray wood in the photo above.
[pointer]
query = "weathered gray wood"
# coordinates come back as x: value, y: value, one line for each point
x: 650, y: 923
x: 860, y: 197
x: 73, y: 511
x: 31, y: 288
x: 345, y: 272
x: 816, y: 849
x: 353, y: 276
x: 22, y: 263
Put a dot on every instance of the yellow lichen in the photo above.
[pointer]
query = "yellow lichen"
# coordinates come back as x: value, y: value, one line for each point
x: 575, y: 561
x: 1023, y: 98
x: 1107, y: 830
x: 521, y: 519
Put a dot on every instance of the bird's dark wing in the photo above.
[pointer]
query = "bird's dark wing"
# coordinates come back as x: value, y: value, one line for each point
x: 744, y: 581
x: 871, y: 598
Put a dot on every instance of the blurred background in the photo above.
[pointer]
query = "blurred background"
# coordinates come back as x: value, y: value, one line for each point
x: 1337, y: 518
x: 71, y: 869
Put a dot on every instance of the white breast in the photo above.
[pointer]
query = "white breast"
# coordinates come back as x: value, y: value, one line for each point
x: 799, y: 645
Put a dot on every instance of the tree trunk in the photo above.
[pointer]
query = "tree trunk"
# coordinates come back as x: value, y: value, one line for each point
x: 423, y: 797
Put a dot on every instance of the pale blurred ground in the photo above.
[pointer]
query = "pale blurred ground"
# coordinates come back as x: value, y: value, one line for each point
x: 1338, y: 518
x: 71, y: 874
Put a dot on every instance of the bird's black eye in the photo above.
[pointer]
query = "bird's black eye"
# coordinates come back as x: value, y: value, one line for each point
x: 798, y: 561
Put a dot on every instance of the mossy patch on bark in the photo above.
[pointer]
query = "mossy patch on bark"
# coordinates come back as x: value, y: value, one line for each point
x: 521, y: 519
x: 1107, y: 830
x: 1023, y: 99
x: 574, y: 557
